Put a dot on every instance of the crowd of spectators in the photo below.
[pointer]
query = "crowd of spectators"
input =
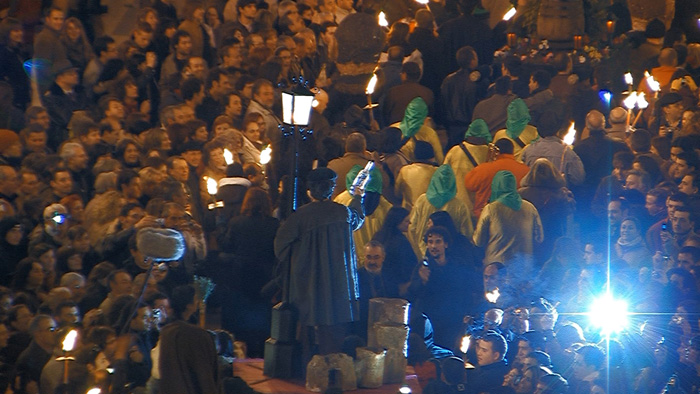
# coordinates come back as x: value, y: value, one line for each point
x: 477, y: 212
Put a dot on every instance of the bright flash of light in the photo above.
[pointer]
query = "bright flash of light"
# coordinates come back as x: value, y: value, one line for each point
x: 381, y: 20
x: 509, y: 14
x: 608, y: 314
x: 641, y: 101
x: 466, y: 341
x: 630, y: 101
x: 405, y: 390
x: 69, y: 340
x: 314, y: 103
x: 424, y: 2
x: 371, y: 84
x: 94, y: 390
x: 653, y: 84
x: 606, y: 96
x: 228, y: 157
x: 266, y: 155
x: 492, y: 296
x: 212, y: 186
x: 628, y: 79
x: 570, y: 135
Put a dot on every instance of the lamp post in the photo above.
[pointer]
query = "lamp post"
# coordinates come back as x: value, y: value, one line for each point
x: 296, y: 111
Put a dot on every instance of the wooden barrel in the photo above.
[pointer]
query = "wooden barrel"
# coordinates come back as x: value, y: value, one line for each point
x: 560, y: 20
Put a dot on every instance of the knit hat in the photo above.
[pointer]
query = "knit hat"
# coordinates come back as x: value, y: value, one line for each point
x: 479, y: 128
x: 375, y: 179
x: 442, y: 187
x: 618, y: 115
x: 655, y: 29
x: 518, y: 118
x: 416, y: 112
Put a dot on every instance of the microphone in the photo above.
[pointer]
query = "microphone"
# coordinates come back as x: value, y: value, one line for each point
x: 160, y: 244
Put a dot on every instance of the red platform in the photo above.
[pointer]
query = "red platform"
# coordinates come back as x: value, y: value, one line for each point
x: 251, y: 371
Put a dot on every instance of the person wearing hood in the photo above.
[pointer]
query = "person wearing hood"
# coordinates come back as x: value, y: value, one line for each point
x: 413, y: 179
x: 440, y: 196
x: 508, y: 227
x: 468, y: 154
x: 13, y: 247
x: 478, y: 180
x: 518, y: 128
x: 413, y: 128
x: 376, y: 208
x: 546, y: 189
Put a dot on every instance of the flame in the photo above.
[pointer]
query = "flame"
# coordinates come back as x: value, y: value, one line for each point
x: 228, y: 157
x: 381, y: 19
x: 630, y: 101
x: 492, y: 296
x: 94, y: 390
x: 653, y: 84
x: 570, y: 135
x: 266, y: 155
x: 628, y: 79
x: 424, y: 2
x: 466, y: 341
x: 641, y: 101
x: 69, y: 341
x: 371, y: 84
x: 212, y: 185
x: 509, y: 14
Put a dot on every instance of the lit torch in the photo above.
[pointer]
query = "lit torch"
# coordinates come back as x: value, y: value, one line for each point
x: 509, y: 14
x: 629, y: 103
x: 369, y: 91
x: 381, y: 20
x: 652, y: 83
x: 642, y: 104
x: 67, y: 346
x: 568, y: 141
x: 629, y: 80
x: 493, y: 295
x: 228, y: 157
x: 265, y: 155
x: 464, y: 346
x: 212, y: 189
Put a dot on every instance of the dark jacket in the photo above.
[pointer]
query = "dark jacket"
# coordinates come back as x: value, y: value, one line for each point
x: 398, y: 97
x: 60, y: 107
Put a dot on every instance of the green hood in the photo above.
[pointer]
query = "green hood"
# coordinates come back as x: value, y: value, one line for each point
x: 518, y: 118
x: 413, y: 118
x: 443, y: 186
x: 504, y: 189
x: 478, y: 128
x: 375, y: 179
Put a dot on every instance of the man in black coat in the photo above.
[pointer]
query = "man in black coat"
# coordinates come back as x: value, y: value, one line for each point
x: 397, y: 99
x: 64, y: 97
x: 490, y: 354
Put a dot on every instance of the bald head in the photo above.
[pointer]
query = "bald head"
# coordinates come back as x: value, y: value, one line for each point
x: 668, y: 57
x: 595, y: 120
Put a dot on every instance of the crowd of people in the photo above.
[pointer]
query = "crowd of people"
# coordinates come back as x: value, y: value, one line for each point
x: 498, y: 233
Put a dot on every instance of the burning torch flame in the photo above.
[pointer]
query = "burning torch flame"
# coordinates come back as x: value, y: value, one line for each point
x: 382, y: 20
x: 424, y: 2
x: 492, y: 296
x: 265, y: 155
x: 653, y: 84
x: 509, y: 14
x: 630, y: 101
x: 228, y: 157
x: 212, y: 186
x: 371, y: 84
x: 628, y: 79
x: 94, y: 390
x: 570, y: 135
x: 69, y: 341
x: 466, y: 341
x: 641, y: 101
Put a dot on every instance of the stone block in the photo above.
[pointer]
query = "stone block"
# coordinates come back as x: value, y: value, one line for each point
x: 319, y: 366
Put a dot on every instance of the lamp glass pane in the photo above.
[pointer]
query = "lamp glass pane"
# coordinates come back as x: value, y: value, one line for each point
x: 287, y: 105
x: 302, y: 109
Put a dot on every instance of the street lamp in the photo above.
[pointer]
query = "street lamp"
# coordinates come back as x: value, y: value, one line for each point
x: 296, y: 111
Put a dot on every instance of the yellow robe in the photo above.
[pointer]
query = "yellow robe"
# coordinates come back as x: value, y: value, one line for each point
x: 461, y: 166
x: 528, y: 135
x: 460, y: 213
x: 371, y: 225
